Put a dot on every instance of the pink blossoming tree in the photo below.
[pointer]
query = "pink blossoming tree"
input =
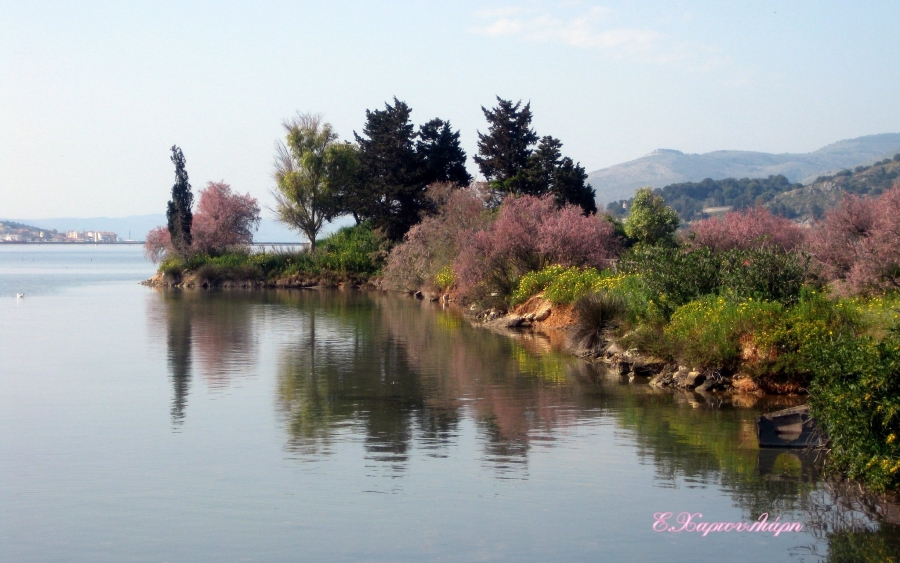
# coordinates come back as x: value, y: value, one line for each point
x: 748, y: 229
x: 528, y: 234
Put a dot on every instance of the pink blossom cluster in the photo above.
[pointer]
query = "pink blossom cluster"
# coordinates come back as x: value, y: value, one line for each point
x: 432, y: 244
x: 529, y: 234
x: 857, y: 245
x: 748, y: 229
x: 223, y: 220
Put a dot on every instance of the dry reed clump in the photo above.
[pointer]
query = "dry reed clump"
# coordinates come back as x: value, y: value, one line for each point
x: 596, y: 316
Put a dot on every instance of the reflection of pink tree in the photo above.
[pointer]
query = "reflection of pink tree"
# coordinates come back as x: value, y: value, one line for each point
x: 748, y: 229
x: 224, y: 339
x: 509, y: 403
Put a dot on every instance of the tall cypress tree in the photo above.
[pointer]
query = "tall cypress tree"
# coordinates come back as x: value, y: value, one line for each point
x: 179, y: 211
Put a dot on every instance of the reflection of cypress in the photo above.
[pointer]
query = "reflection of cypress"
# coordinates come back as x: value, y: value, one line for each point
x: 179, y: 352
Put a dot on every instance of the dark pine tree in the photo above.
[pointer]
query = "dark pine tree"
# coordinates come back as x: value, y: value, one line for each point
x: 569, y: 186
x: 542, y: 165
x: 179, y: 211
x: 504, y: 151
x: 550, y: 172
x: 388, y: 191
x: 441, y: 157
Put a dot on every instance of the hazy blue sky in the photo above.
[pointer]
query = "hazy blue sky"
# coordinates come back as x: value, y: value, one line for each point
x: 93, y: 94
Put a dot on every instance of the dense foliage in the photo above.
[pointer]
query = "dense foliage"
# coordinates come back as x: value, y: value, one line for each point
x: 747, y: 229
x: 426, y: 255
x: 650, y: 222
x: 224, y: 222
x: 857, y: 245
x: 512, y: 164
x: 396, y: 166
x: 350, y: 254
x: 528, y: 234
x: 224, y: 219
x: 311, y: 170
x: 856, y: 397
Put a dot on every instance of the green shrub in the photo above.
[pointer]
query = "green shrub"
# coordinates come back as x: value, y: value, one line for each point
x: 790, y: 343
x: 351, y: 250
x: 707, y: 332
x: 172, y: 268
x: 571, y: 284
x: 213, y: 274
x: 676, y: 276
x: 533, y: 283
x: 855, y: 396
x: 766, y: 274
x: 564, y: 285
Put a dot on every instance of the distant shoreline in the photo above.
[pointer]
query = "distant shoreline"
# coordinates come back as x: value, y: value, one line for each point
x: 63, y: 243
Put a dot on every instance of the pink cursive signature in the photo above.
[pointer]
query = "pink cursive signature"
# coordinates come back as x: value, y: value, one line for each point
x: 690, y: 522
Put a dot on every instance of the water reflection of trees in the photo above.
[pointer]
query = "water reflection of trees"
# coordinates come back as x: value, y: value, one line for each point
x: 402, y: 375
x: 406, y: 374
x: 179, y: 336
x: 343, y: 369
x: 217, y: 329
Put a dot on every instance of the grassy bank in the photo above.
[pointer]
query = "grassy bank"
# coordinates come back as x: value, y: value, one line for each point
x: 350, y: 255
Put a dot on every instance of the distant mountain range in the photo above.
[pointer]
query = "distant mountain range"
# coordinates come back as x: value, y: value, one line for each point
x: 136, y: 227
x: 665, y: 166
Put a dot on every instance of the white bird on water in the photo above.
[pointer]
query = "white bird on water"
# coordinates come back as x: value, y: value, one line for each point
x: 20, y: 295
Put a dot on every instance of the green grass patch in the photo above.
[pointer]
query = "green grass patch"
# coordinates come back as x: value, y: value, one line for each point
x: 707, y: 332
x: 563, y: 285
x: 351, y: 252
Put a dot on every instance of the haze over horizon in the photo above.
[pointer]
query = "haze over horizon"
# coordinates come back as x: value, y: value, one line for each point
x: 92, y: 96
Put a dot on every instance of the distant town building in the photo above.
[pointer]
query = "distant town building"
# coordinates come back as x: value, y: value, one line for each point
x: 16, y: 232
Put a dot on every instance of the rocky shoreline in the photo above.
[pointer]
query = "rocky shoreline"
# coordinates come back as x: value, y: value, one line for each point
x: 540, y: 316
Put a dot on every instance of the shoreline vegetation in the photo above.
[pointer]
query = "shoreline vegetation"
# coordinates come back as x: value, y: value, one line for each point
x: 746, y: 302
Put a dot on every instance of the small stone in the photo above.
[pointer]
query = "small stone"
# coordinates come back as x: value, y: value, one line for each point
x: 543, y: 314
x: 661, y: 380
x: 514, y: 321
x: 693, y: 379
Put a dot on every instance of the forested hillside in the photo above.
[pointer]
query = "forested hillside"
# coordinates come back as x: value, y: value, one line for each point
x: 695, y: 200
x: 691, y: 198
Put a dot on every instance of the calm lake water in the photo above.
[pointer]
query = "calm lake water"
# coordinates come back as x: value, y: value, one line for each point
x: 179, y: 426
